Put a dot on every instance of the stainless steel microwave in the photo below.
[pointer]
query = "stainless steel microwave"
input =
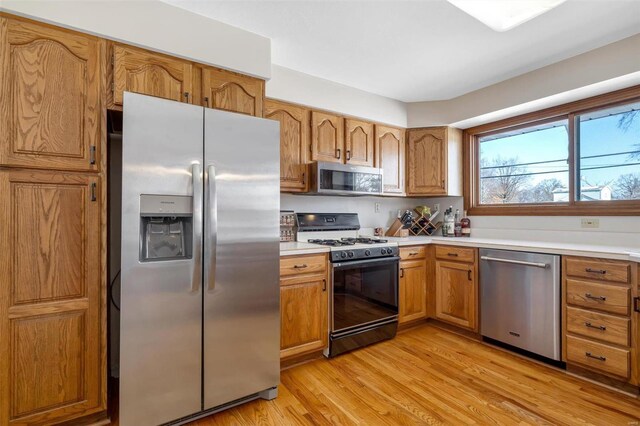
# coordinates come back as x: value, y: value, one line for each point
x: 344, y: 179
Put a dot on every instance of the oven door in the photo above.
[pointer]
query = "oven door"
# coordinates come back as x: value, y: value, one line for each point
x: 364, y: 292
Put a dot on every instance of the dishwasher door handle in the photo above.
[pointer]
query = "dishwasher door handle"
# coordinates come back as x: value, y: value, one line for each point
x: 515, y: 262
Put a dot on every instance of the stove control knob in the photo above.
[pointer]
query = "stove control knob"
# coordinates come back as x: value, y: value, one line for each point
x: 383, y: 251
x: 367, y: 252
x: 350, y: 254
x: 343, y: 255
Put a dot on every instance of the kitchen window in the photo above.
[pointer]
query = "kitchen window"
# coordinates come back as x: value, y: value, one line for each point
x: 574, y: 159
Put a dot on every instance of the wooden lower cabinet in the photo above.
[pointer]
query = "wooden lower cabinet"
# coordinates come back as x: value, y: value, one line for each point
x: 457, y: 293
x: 52, y: 347
x: 600, y: 325
x: 413, y: 291
x: 303, y: 309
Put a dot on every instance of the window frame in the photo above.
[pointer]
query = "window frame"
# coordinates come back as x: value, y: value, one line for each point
x: 569, y: 111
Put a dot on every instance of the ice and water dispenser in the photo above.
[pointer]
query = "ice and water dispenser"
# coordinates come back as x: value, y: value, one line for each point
x: 166, y: 227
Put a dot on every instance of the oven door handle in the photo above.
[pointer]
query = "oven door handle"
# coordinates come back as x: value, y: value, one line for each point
x: 379, y: 261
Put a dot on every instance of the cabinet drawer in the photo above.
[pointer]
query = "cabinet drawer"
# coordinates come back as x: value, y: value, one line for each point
x: 598, y: 270
x: 598, y: 326
x: 294, y: 265
x: 604, y: 297
x: 458, y: 254
x: 598, y: 356
x: 413, y: 253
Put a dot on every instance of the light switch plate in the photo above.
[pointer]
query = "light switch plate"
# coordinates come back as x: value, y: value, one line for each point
x: 589, y: 223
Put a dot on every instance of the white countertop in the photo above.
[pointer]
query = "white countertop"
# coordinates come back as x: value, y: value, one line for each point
x: 608, y: 252
x: 294, y: 247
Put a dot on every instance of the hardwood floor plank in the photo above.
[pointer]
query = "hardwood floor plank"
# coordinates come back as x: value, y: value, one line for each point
x: 428, y: 375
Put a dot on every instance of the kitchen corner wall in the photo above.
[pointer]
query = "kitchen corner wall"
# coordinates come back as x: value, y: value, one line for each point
x: 364, y: 206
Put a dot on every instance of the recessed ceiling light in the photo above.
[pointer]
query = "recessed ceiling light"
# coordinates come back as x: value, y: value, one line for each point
x: 502, y: 15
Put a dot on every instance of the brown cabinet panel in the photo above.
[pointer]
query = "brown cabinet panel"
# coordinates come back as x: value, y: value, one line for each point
x: 148, y: 73
x: 50, y: 107
x: 413, y: 291
x: 327, y: 137
x: 413, y: 253
x: 294, y: 143
x: 232, y: 92
x: 599, y: 326
x: 427, y: 161
x: 359, y: 142
x: 458, y: 254
x: 603, y: 297
x: 599, y: 357
x: 295, y: 265
x: 390, y: 157
x: 597, y: 269
x: 51, y: 335
x: 456, y: 293
x: 303, y: 314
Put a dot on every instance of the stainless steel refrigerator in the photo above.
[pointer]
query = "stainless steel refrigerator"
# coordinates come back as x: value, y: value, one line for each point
x: 199, y: 304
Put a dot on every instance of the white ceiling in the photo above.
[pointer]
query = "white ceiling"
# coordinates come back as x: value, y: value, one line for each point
x: 419, y: 50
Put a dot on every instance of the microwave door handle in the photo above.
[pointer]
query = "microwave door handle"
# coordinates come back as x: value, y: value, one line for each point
x: 212, y: 225
x: 196, y: 249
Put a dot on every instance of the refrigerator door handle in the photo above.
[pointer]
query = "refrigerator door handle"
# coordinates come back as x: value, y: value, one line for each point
x: 212, y: 225
x: 196, y: 273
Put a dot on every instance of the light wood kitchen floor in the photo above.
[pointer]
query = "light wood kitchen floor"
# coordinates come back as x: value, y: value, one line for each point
x: 430, y: 376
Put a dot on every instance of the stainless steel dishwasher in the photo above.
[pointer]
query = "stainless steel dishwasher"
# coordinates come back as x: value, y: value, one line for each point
x: 520, y: 300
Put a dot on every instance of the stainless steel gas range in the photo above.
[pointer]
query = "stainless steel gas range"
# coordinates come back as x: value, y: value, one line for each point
x: 364, y: 280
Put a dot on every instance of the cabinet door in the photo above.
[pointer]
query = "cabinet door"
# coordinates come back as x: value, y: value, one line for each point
x: 359, y: 143
x: 232, y: 92
x: 390, y: 153
x: 294, y: 143
x: 140, y: 71
x: 456, y: 291
x: 52, y: 362
x: 303, y: 314
x: 327, y: 137
x: 50, y: 109
x: 427, y: 162
x: 413, y: 291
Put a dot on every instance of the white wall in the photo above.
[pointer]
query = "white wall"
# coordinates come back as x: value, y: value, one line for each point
x: 613, y: 230
x: 156, y: 26
x: 611, y: 67
x: 293, y: 86
x: 364, y: 206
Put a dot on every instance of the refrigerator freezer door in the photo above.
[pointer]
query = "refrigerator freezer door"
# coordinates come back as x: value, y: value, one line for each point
x: 161, y: 300
x: 241, y: 301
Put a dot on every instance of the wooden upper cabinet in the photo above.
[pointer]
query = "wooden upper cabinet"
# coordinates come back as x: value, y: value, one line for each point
x: 294, y: 143
x: 327, y: 137
x: 427, y: 161
x: 232, y: 92
x: 50, y: 107
x: 52, y: 361
x: 359, y: 142
x: 390, y: 157
x: 148, y: 73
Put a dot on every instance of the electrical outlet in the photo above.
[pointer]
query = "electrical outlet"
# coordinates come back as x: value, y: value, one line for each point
x: 377, y: 207
x: 436, y: 207
x: 590, y: 223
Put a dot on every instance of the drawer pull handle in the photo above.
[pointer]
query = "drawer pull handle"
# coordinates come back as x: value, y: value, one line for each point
x: 452, y: 254
x: 598, y: 357
x: 304, y: 265
x: 592, y: 297
x: 401, y: 273
x: 599, y: 327
x: 636, y: 304
x: 413, y: 253
x: 596, y: 271
x: 324, y: 285
x: 469, y: 275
